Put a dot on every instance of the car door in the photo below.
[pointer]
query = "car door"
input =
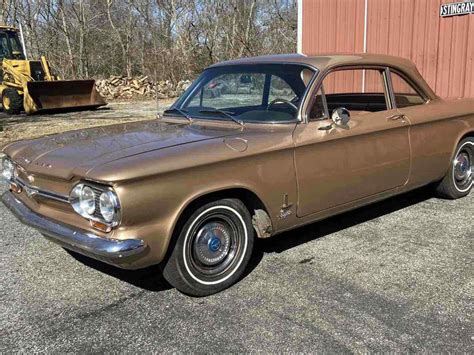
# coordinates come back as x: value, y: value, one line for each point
x: 371, y: 154
x: 430, y: 150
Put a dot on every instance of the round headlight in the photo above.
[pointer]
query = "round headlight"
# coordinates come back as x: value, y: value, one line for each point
x: 108, y: 205
x: 8, y: 169
x: 82, y: 199
x: 87, y: 200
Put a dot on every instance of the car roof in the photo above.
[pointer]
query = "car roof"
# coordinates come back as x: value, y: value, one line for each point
x: 325, y: 61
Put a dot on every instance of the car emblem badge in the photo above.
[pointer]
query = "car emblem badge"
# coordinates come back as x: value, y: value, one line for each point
x: 285, y: 210
x: 30, y: 192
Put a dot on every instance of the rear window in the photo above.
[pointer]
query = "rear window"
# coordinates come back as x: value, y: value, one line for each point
x: 405, y: 94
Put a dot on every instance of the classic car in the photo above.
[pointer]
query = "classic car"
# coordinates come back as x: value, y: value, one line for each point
x: 307, y: 138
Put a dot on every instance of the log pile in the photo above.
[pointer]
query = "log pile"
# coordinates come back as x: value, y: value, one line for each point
x: 120, y: 87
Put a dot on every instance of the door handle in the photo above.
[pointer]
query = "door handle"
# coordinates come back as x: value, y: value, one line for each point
x: 396, y: 117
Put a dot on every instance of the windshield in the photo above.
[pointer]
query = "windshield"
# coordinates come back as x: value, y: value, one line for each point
x: 247, y: 93
x: 10, y: 46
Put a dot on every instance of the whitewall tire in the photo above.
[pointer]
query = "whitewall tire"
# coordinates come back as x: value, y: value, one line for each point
x: 213, y: 248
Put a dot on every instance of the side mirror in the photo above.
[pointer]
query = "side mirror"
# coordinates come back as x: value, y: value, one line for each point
x: 341, y: 116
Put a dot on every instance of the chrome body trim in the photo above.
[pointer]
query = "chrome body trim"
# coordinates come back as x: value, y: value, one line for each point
x: 72, y: 238
x: 36, y: 191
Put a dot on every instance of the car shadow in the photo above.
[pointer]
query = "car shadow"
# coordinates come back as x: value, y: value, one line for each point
x: 151, y: 278
x: 301, y: 235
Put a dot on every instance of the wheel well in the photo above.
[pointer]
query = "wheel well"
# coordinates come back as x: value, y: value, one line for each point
x: 249, y: 199
x: 468, y: 134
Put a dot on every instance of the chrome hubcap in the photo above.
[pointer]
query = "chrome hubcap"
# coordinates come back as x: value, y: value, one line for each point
x: 212, y: 243
x: 461, y: 166
x: 463, y: 169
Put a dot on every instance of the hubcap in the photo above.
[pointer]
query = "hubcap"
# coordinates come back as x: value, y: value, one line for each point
x: 215, y: 244
x: 463, y: 169
x: 212, y: 243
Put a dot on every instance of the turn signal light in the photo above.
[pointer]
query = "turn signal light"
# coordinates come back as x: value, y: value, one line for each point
x: 100, y: 226
x: 15, y: 188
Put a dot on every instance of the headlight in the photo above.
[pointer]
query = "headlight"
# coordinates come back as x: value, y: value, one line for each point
x: 8, y: 169
x: 108, y: 206
x: 83, y: 199
x: 87, y: 200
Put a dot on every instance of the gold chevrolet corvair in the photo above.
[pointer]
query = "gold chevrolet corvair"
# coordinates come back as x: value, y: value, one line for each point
x: 253, y: 148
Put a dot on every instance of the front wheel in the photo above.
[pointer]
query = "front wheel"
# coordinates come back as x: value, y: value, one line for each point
x: 12, y: 101
x: 212, y: 250
x: 459, y: 178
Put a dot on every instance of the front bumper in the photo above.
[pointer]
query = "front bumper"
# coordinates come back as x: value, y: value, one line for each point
x: 89, y: 244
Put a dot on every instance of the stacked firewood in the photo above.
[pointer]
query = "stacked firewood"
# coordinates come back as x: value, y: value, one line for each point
x: 121, y: 87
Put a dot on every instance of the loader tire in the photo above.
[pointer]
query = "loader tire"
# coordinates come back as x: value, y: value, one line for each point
x: 12, y: 101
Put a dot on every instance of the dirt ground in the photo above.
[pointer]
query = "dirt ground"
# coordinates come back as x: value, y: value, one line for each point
x: 25, y: 127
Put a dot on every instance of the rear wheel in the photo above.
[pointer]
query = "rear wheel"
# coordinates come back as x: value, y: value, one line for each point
x: 459, y: 178
x: 212, y: 250
x: 12, y: 101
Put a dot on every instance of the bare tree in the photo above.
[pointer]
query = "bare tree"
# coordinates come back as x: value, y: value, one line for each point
x: 165, y: 39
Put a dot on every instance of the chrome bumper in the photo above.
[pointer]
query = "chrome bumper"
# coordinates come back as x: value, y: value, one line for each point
x: 75, y: 239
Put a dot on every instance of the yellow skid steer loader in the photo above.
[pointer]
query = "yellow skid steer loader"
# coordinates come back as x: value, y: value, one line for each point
x: 29, y: 85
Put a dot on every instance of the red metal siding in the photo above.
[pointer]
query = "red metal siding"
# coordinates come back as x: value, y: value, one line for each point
x: 333, y: 25
x: 442, y: 48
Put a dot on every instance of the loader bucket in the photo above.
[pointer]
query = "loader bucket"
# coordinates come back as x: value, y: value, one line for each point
x: 61, y: 95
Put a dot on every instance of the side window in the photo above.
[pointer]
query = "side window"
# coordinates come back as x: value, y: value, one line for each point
x: 15, y: 43
x: 360, y: 91
x: 231, y: 91
x: 405, y: 94
x: 3, y: 46
x: 279, y: 89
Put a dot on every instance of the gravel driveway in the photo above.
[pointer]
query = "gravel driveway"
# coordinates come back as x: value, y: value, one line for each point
x: 17, y: 127
x: 395, y: 276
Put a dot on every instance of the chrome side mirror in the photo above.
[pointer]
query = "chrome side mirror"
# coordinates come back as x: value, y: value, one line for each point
x: 341, y: 116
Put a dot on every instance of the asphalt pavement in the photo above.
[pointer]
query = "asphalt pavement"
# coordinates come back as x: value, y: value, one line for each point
x: 394, y: 276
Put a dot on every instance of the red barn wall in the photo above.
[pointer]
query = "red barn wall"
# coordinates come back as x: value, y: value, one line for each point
x: 442, y: 48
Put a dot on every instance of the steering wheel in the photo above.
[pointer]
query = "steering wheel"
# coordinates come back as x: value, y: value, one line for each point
x: 283, y: 101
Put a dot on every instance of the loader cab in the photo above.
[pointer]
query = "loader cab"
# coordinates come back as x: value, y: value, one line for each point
x: 10, y: 45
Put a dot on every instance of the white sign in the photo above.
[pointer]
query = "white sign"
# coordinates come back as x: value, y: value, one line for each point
x: 457, y: 8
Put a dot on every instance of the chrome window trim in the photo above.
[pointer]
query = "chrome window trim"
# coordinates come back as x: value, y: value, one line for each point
x: 389, y: 95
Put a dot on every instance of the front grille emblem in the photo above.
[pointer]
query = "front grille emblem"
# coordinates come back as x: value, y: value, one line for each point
x: 30, y: 192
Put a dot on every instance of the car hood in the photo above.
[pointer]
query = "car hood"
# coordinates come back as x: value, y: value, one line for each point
x: 77, y: 152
